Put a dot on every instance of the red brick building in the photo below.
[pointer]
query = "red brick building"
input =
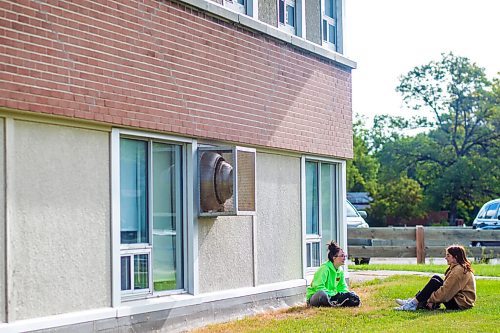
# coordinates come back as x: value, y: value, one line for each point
x: 105, y: 109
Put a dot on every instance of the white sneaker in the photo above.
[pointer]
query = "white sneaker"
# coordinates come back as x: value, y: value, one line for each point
x: 402, y: 301
x: 408, y: 306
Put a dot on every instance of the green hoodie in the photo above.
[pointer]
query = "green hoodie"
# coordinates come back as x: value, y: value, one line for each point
x: 329, y: 279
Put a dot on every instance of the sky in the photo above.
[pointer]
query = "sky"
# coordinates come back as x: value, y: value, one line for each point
x: 388, y: 38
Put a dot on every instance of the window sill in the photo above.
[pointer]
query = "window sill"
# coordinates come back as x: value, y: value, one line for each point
x: 275, y: 32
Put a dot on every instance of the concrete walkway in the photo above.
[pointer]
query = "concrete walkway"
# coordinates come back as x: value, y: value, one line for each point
x: 362, y: 276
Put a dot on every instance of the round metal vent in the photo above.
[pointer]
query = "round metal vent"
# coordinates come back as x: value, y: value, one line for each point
x: 216, y: 181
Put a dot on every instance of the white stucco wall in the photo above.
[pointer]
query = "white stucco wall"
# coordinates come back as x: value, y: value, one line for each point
x: 2, y: 222
x: 59, y: 248
x: 226, y: 244
x: 279, y: 226
x: 225, y: 254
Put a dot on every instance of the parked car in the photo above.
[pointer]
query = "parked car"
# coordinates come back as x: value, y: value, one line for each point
x: 356, y: 219
x: 487, y: 243
x: 488, y: 215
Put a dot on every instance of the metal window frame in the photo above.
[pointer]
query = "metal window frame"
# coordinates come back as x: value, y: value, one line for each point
x: 235, y: 6
x: 329, y: 21
x: 133, y: 293
x: 291, y: 29
x: 339, y: 188
x: 189, y: 239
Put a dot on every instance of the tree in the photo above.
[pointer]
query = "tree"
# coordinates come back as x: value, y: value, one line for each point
x: 363, y: 168
x: 461, y: 148
x: 389, y: 129
x: 400, y: 198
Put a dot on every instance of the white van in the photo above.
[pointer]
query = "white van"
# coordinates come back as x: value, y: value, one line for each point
x: 488, y: 215
x: 356, y: 219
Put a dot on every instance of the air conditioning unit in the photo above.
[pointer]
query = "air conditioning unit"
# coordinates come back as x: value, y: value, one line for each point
x: 226, y: 181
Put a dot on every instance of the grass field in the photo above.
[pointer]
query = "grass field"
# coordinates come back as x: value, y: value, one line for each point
x: 376, y: 313
x: 479, y: 269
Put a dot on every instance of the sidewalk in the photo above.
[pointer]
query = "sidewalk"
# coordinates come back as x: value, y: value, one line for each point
x: 362, y: 276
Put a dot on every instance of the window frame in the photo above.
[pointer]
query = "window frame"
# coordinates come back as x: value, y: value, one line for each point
x: 189, y: 271
x: 339, y: 187
x: 293, y: 30
x: 333, y: 21
x: 132, y: 252
x: 237, y: 7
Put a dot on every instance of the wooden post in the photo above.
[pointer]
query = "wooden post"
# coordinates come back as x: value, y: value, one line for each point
x: 420, y: 244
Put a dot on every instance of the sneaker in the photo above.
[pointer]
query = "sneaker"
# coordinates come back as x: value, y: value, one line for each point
x: 402, y: 301
x: 408, y: 306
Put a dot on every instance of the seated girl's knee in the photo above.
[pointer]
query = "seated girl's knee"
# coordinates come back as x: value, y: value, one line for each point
x: 320, y: 298
x: 354, y: 299
x: 346, y: 299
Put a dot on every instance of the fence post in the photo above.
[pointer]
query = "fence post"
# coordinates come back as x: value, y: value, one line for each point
x: 420, y: 244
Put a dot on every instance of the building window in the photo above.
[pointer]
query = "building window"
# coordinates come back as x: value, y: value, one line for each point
x: 238, y: 6
x: 287, y: 16
x: 329, y: 23
x: 151, y: 216
x: 322, y: 183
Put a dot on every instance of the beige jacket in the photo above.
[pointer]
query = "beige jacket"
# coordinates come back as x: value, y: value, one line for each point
x: 457, y: 285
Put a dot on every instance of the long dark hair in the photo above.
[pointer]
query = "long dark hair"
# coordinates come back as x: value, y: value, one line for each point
x: 333, y: 250
x: 458, y: 252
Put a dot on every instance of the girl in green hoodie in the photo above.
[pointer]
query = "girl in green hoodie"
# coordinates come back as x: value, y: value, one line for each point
x: 328, y: 287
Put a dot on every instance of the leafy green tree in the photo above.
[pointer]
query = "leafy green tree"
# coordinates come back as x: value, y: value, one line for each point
x: 389, y: 129
x: 363, y: 168
x: 457, y: 160
x: 401, y: 198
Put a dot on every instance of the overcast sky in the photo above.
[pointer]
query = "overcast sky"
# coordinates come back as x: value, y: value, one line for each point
x: 388, y: 38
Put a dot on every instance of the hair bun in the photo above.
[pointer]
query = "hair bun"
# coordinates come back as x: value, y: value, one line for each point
x: 332, y: 246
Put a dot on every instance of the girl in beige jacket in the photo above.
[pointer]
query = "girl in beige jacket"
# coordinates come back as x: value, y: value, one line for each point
x: 457, y: 291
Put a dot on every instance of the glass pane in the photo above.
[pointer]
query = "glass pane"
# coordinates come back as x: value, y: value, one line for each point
x: 281, y: 11
x: 491, y: 211
x: 328, y: 205
x: 167, y: 216
x: 308, y: 254
x: 241, y: 2
x: 329, y: 8
x: 331, y: 34
x: 125, y: 273
x: 133, y: 191
x: 315, y: 258
x: 312, y: 204
x: 290, y: 15
x: 325, y: 31
x: 141, y: 276
x: 351, y: 211
x: 326, y: 195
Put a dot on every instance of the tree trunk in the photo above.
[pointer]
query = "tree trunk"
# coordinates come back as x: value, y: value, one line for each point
x: 453, y: 212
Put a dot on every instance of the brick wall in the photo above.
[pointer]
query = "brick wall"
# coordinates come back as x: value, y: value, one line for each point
x: 159, y: 65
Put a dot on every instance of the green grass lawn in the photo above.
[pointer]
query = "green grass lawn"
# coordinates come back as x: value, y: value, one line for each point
x: 479, y: 269
x: 376, y: 313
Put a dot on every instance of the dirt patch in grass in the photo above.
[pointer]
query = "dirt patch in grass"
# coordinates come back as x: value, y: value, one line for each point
x: 302, y: 312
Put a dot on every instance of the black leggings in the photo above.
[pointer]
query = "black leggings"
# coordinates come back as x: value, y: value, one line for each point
x: 321, y: 298
x: 434, y: 284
